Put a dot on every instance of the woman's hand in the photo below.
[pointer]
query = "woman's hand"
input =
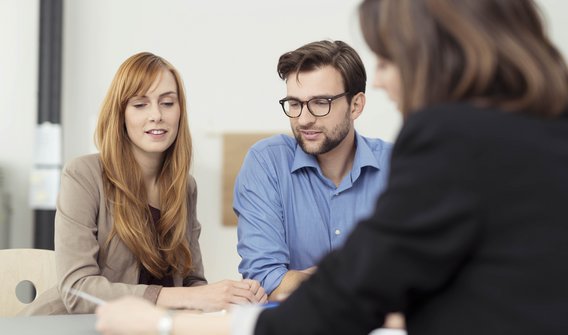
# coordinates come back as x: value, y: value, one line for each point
x: 135, y: 316
x: 128, y: 315
x: 223, y: 294
x: 213, y: 297
x: 260, y: 296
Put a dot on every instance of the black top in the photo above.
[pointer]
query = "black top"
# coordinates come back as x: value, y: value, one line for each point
x: 145, y: 276
x: 470, y: 236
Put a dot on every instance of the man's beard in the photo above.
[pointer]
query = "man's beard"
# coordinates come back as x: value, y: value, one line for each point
x: 330, y: 142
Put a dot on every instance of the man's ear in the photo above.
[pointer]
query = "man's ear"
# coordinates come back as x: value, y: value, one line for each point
x: 357, y: 105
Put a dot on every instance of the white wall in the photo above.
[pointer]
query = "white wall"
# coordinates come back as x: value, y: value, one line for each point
x: 18, y: 109
x: 227, y: 53
x: 554, y: 11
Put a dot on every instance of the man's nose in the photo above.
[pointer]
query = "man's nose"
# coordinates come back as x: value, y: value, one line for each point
x: 306, y: 116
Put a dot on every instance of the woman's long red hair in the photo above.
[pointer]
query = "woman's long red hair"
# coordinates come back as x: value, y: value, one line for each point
x: 164, y: 245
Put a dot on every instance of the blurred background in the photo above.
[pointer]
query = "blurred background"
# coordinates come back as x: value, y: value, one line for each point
x: 227, y: 53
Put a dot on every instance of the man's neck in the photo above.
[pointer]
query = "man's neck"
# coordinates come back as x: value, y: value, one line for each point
x: 336, y: 163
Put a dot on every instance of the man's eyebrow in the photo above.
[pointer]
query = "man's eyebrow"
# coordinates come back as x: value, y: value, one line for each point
x: 291, y: 97
x: 311, y: 97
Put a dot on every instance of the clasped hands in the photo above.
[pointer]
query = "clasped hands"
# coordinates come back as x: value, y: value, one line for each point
x: 213, y: 297
x: 223, y: 294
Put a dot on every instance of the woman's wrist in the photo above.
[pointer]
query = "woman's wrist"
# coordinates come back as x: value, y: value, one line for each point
x: 177, y: 298
x: 171, y: 297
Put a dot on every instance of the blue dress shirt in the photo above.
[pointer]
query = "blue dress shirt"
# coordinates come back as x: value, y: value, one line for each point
x: 290, y: 214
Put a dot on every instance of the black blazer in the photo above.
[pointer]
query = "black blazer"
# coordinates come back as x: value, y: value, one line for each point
x: 470, y: 236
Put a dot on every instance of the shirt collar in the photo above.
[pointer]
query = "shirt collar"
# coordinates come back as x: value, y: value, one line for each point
x: 302, y: 160
x: 364, y: 156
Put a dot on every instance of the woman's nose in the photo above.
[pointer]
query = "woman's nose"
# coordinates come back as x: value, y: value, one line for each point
x: 378, y: 80
x: 155, y: 114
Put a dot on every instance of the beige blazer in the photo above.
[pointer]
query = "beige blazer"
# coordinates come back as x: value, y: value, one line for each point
x: 82, y: 225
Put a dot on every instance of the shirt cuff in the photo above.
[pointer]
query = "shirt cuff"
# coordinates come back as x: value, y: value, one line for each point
x: 244, y: 319
x: 152, y: 292
x: 273, y: 279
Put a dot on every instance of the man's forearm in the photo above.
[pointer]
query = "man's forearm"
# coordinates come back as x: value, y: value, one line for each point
x: 290, y: 282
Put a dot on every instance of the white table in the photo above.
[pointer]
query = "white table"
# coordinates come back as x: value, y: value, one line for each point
x: 81, y: 324
x: 78, y: 324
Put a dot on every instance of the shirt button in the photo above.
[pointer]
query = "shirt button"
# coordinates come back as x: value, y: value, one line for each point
x: 337, y: 232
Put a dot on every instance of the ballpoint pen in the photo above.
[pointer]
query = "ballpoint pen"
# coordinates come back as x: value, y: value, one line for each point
x: 85, y: 296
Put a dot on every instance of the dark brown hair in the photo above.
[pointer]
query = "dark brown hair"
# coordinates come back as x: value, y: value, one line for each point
x: 494, y: 52
x: 315, y: 55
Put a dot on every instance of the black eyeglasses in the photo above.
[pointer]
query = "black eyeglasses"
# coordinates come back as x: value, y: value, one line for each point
x: 318, y: 106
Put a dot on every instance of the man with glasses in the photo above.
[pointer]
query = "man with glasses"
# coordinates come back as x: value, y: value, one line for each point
x: 298, y: 198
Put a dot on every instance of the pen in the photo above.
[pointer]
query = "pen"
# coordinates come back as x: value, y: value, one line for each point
x: 86, y: 296
x: 270, y: 304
